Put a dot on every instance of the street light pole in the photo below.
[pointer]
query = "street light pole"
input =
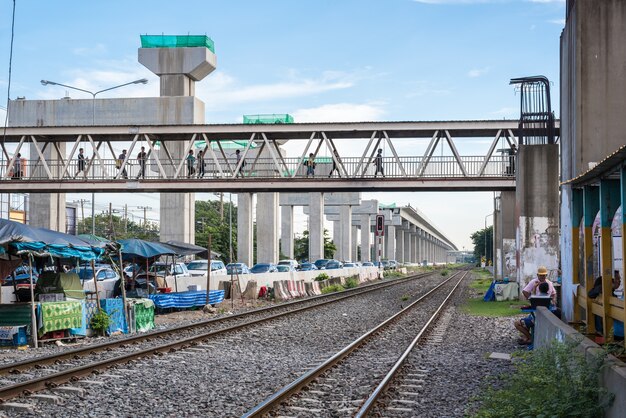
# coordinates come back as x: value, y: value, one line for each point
x: 93, y: 123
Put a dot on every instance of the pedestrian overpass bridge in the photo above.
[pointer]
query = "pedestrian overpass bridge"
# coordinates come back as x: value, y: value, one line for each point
x: 49, y: 157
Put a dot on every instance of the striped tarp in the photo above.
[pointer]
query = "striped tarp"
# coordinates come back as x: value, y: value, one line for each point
x: 186, y: 299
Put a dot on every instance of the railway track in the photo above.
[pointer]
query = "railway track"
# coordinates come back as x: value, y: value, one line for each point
x: 351, y: 381
x: 42, y: 372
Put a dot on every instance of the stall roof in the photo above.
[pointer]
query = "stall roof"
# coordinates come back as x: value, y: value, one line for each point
x: 144, y: 249
x: 607, y: 168
x: 183, y: 248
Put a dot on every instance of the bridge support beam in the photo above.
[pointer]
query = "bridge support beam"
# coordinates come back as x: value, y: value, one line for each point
x: 316, y: 226
x: 48, y: 210
x: 537, y: 198
x: 366, y: 238
x: 390, y: 242
x: 345, y: 233
x: 399, y: 255
x: 504, y: 235
x: 354, y: 245
x: 286, y: 231
x: 267, y: 227
x: 244, y: 228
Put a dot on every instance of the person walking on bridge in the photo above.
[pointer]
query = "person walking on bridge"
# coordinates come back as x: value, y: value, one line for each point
x: 201, y: 165
x: 378, y: 163
x: 310, y: 165
x: 81, y: 162
x: 141, y: 159
x: 191, y: 162
x: 120, y: 161
x: 336, y: 161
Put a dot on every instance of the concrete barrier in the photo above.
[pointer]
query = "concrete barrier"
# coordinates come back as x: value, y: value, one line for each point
x: 280, y: 293
x: 549, y: 328
x: 251, y: 291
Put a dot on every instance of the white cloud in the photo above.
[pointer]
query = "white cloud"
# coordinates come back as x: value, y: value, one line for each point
x: 95, y: 50
x: 340, y: 112
x: 477, y: 72
x: 221, y: 89
x: 506, y: 112
x: 560, y: 22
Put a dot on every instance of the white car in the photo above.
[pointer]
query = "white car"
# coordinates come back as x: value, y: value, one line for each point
x: 170, y: 270
x: 199, y: 267
x: 293, y: 263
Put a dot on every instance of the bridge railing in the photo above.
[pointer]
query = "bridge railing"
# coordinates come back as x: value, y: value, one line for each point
x: 348, y: 167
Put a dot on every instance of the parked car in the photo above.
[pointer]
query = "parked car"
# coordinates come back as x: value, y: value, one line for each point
x: 307, y: 267
x: 349, y: 264
x: 368, y: 264
x: 22, y: 276
x: 199, y: 267
x: 103, y: 272
x: 284, y: 268
x: 393, y: 264
x: 334, y: 264
x: 169, y: 269
x: 385, y: 264
x: 237, y: 268
x: 263, y: 268
x: 292, y: 263
x: 321, y: 263
x: 131, y: 269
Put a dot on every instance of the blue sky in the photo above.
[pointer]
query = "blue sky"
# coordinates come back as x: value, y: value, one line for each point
x: 317, y: 60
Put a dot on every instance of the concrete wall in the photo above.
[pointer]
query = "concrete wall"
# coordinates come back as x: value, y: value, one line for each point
x: 549, y: 328
x: 177, y: 110
x: 537, y: 210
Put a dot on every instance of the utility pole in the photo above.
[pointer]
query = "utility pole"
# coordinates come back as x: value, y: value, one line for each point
x: 125, y: 218
x: 221, y: 206
x: 111, y: 231
x: 145, y: 209
x: 82, y: 212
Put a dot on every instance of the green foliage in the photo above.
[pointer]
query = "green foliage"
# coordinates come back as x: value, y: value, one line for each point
x: 405, y: 297
x: 555, y: 381
x: 478, y: 307
x: 333, y: 288
x: 117, y: 227
x: 301, y: 246
x: 213, y: 217
x: 351, y: 282
x: 444, y: 272
x: 321, y: 277
x: 100, y: 322
x: 392, y: 274
x: 478, y: 238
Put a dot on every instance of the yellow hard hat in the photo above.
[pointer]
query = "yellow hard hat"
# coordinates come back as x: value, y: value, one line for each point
x: 542, y: 271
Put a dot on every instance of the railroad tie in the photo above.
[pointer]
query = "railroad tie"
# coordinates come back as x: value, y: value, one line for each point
x: 17, y: 407
x: 56, y: 400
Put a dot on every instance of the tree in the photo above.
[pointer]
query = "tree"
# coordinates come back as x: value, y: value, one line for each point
x: 209, y: 221
x: 301, y: 246
x: 480, y: 248
x: 116, y: 227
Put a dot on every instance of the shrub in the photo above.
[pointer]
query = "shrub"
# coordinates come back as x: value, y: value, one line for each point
x: 444, y: 272
x: 351, y: 282
x: 405, y: 297
x: 321, y: 277
x: 389, y: 274
x: 332, y: 288
x: 100, y: 322
x: 553, y: 381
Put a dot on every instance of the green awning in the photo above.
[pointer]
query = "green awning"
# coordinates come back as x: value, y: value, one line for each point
x: 177, y: 41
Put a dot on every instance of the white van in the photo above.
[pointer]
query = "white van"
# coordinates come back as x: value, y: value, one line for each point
x: 198, y: 267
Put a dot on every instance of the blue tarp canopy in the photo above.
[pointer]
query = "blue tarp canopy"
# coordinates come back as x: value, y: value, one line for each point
x: 17, y: 238
x: 138, y: 248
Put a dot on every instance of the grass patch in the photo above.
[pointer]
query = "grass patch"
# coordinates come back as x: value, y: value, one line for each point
x: 478, y: 307
x: 392, y: 273
x: 332, y: 288
x: 405, y: 297
x: 351, y: 282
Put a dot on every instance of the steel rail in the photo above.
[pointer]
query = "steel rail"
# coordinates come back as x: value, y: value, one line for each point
x: 55, y: 379
x: 286, y: 391
x: 375, y: 395
x: 92, y: 349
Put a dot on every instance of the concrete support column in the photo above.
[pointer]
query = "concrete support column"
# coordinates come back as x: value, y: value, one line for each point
x: 354, y: 246
x: 244, y: 228
x: 345, y: 233
x: 316, y: 226
x: 337, y: 239
x: 506, y: 234
x: 408, y: 243
x: 286, y: 231
x: 415, y: 248
x: 390, y: 242
x: 178, y: 217
x: 497, y: 244
x: 366, y: 238
x: 537, y: 197
x: 47, y: 210
x: 267, y: 227
x: 399, y: 256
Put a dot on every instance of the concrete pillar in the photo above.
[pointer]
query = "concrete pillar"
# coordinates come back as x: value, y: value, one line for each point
x: 408, y: 243
x: 537, y: 198
x: 366, y: 238
x: 506, y: 234
x: 47, y: 210
x: 244, y: 228
x: 316, y: 226
x: 267, y: 227
x: 415, y: 247
x: 286, y: 231
x: 390, y: 242
x: 337, y: 239
x: 345, y: 233
x: 497, y: 244
x: 399, y: 256
x: 354, y: 245
x: 178, y: 218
